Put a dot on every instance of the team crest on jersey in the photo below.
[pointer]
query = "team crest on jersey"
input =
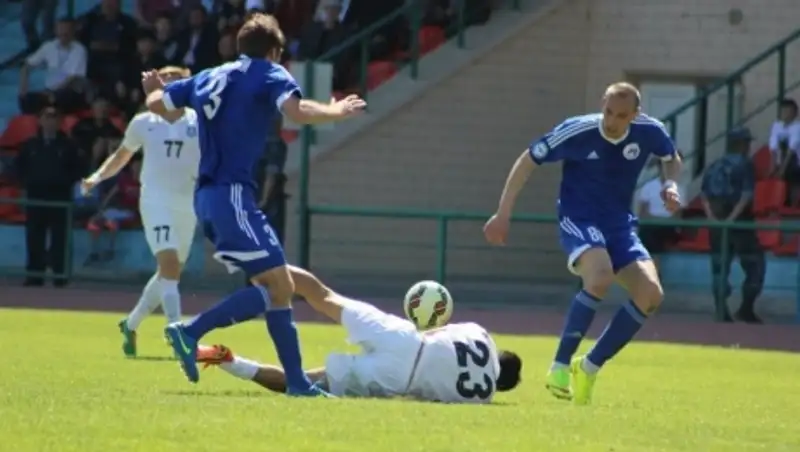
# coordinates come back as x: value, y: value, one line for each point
x: 540, y: 150
x: 631, y: 151
x: 191, y: 131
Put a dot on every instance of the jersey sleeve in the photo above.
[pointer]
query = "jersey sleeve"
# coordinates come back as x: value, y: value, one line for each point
x: 133, y: 140
x: 280, y: 86
x: 552, y: 146
x: 661, y: 143
x: 178, y: 94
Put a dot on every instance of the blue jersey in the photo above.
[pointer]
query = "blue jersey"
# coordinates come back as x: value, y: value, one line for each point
x: 237, y: 104
x: 599, y: 175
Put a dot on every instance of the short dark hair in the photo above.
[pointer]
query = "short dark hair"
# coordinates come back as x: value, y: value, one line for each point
x: 260, y: 36
x: 790, y: 103
x: 510, y: 368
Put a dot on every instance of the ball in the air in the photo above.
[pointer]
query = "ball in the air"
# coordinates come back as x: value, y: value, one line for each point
x: 428, y: 304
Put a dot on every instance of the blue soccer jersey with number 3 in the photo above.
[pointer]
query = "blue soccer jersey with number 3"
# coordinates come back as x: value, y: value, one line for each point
x: 237, y: 104
x: 598, y: 182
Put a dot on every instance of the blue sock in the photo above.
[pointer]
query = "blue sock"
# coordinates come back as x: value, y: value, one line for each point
x: 283, y: 331
x: 620, y: 330
x: 579, y: 319
x: 240, y: 306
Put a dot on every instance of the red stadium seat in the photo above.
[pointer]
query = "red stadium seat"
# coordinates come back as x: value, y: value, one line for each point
x: 289, y: 135
x: 68, y: 123
x: 769, y: 238
x: 770, y: 196
x: 762, y: 160
x: 697, y: 243
x: 379, y: 72
x: 789, y: 248
x: 430, y: 38
x: 11, y: 212
x: 20, y: 129
x: 118, y: 122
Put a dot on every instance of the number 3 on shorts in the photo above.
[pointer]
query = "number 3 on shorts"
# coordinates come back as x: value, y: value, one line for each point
x: 214, y: 100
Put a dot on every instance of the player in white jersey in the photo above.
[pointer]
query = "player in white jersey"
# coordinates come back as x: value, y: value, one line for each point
x: 171, y: 153
x: 457, y: 363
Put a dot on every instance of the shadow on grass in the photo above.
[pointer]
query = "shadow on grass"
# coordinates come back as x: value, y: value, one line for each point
x: 231, y: 393
x: 154, y: 358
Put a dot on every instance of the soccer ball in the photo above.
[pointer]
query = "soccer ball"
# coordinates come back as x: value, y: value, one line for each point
x: 428, y: 304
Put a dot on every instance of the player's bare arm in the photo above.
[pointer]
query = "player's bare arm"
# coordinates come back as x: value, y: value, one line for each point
x: 112, y: 165
x: 672, y: 171
x: 320, y: 297
x: 305, y: 111
x: 496, y: 229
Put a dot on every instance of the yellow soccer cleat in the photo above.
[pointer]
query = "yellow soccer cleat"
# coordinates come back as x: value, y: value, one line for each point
x: 582, y: 382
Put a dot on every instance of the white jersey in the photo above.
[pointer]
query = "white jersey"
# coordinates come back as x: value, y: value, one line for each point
x: 458, y: 364
x: 171, y: 157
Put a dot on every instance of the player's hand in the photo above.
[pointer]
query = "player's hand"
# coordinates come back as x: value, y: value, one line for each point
x: 672, y: 199
x: 350, y: 105
x: 151, y: 81
x: 496, y: 229
x: 87, y: 185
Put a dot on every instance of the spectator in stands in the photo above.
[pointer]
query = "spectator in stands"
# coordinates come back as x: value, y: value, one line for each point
x: 444, y: 13
x: 95, y: 131
x: 110, y: 37
x: 229, y: 14
x: 66, y: 85
x: 119, y: 205
x: 392, y: 37
x: 324, y: 34
x: 48, y: 166
x: 146, y: 12
x: 129, y: 88
x: 165, y: 39
x: 33, y: 10
x: 197, y: 45
x: 226, y: 48
x: 293, y: 16
x: 784, y: 145
x: 651, y: 206
x: 727, y: 194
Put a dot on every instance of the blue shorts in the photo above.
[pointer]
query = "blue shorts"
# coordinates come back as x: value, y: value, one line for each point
x: 621, y: 243
x: 240, y: 232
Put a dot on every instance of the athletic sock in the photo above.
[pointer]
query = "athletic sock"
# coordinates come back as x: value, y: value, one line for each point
x: 242, y: 305
x: 241, y: 368
x: 620, y: 331
x: 148, y: 302
x: 283, y: 331
x: 170, y: 299
x: 579, y: 319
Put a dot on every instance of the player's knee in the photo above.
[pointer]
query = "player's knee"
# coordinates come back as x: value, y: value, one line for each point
x: 649, y: 296
x: 169, y: 264
x: 598, y: 280
x: 280, y: 285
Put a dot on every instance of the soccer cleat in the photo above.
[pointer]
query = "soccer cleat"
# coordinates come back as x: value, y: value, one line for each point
x: 582, y: 382
x: 185, y: 349
x: 128, y: 339
x: 213, y: 355
x: 313, y: 391
x: 558, y: 383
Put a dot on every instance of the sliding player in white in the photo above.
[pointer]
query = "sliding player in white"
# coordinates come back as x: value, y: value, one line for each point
x: 171, y: 160
x: 457, y: 363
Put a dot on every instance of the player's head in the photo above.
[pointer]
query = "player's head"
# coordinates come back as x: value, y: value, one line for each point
x: 261, y: 37
x: 621, y: 103
x: 739, y: 140
x: 172, y: 73
x: 788, y: 110
x: 510, y: 367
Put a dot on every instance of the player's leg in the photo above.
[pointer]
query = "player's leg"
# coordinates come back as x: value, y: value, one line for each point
x: 588, y: 258
x: 148, y: 302
x: 638, y: 274
x: 752, y: 261
x: 165, y: 233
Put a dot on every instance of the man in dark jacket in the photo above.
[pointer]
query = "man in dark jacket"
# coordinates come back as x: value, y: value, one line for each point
x: 48, y: 166
x: 727, y: 195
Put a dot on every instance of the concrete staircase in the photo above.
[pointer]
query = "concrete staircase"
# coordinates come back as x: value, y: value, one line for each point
x: 446, y: 141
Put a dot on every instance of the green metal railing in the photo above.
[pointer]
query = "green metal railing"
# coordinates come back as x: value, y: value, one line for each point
x: 444, y: 219
x: 68, y: 212
x: 728, y: 86
x: 414, y: 11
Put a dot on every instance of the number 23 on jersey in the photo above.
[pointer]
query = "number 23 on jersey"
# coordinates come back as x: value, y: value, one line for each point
x: 216, y: 87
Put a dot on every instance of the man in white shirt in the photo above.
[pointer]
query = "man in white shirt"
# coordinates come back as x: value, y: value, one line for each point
x: 784, y: 145
x: 457, y: 363
x: 171, y: 160
x: 64, y: 60
x: 650, y: 205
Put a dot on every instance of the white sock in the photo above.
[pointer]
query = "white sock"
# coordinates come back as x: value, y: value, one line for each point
x: 170, y: 299
x: 148, y: 302
x: 241, y: 368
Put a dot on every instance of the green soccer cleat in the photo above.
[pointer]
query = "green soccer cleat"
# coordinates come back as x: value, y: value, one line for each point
x: 558, y: 383
x: 582, y: 382
x: 128, y: 339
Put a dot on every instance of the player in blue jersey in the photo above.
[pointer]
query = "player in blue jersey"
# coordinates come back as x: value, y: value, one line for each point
x: 236, y: 104
x: 602, y: 157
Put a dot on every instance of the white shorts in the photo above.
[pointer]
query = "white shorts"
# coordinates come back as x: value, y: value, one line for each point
x: 390, y: 345
x: 167, y: 228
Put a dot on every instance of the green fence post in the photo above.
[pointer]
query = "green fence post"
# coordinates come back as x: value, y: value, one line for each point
x: 781, y: 75
x: 441, y: 249
x: 415, y: 28
x: 731, y: 100
x: 69, y: 243
x: 516, y: 4
x: 722, y: 292
x: 71, y: 8
x: 363, y: 63
x: 460, y: 38
x: 306, y: 141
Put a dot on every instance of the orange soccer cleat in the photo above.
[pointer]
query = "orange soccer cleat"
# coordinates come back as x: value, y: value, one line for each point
x: 213, y: 355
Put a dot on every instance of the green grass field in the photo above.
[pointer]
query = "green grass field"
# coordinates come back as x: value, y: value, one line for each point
x: 64, y: 386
